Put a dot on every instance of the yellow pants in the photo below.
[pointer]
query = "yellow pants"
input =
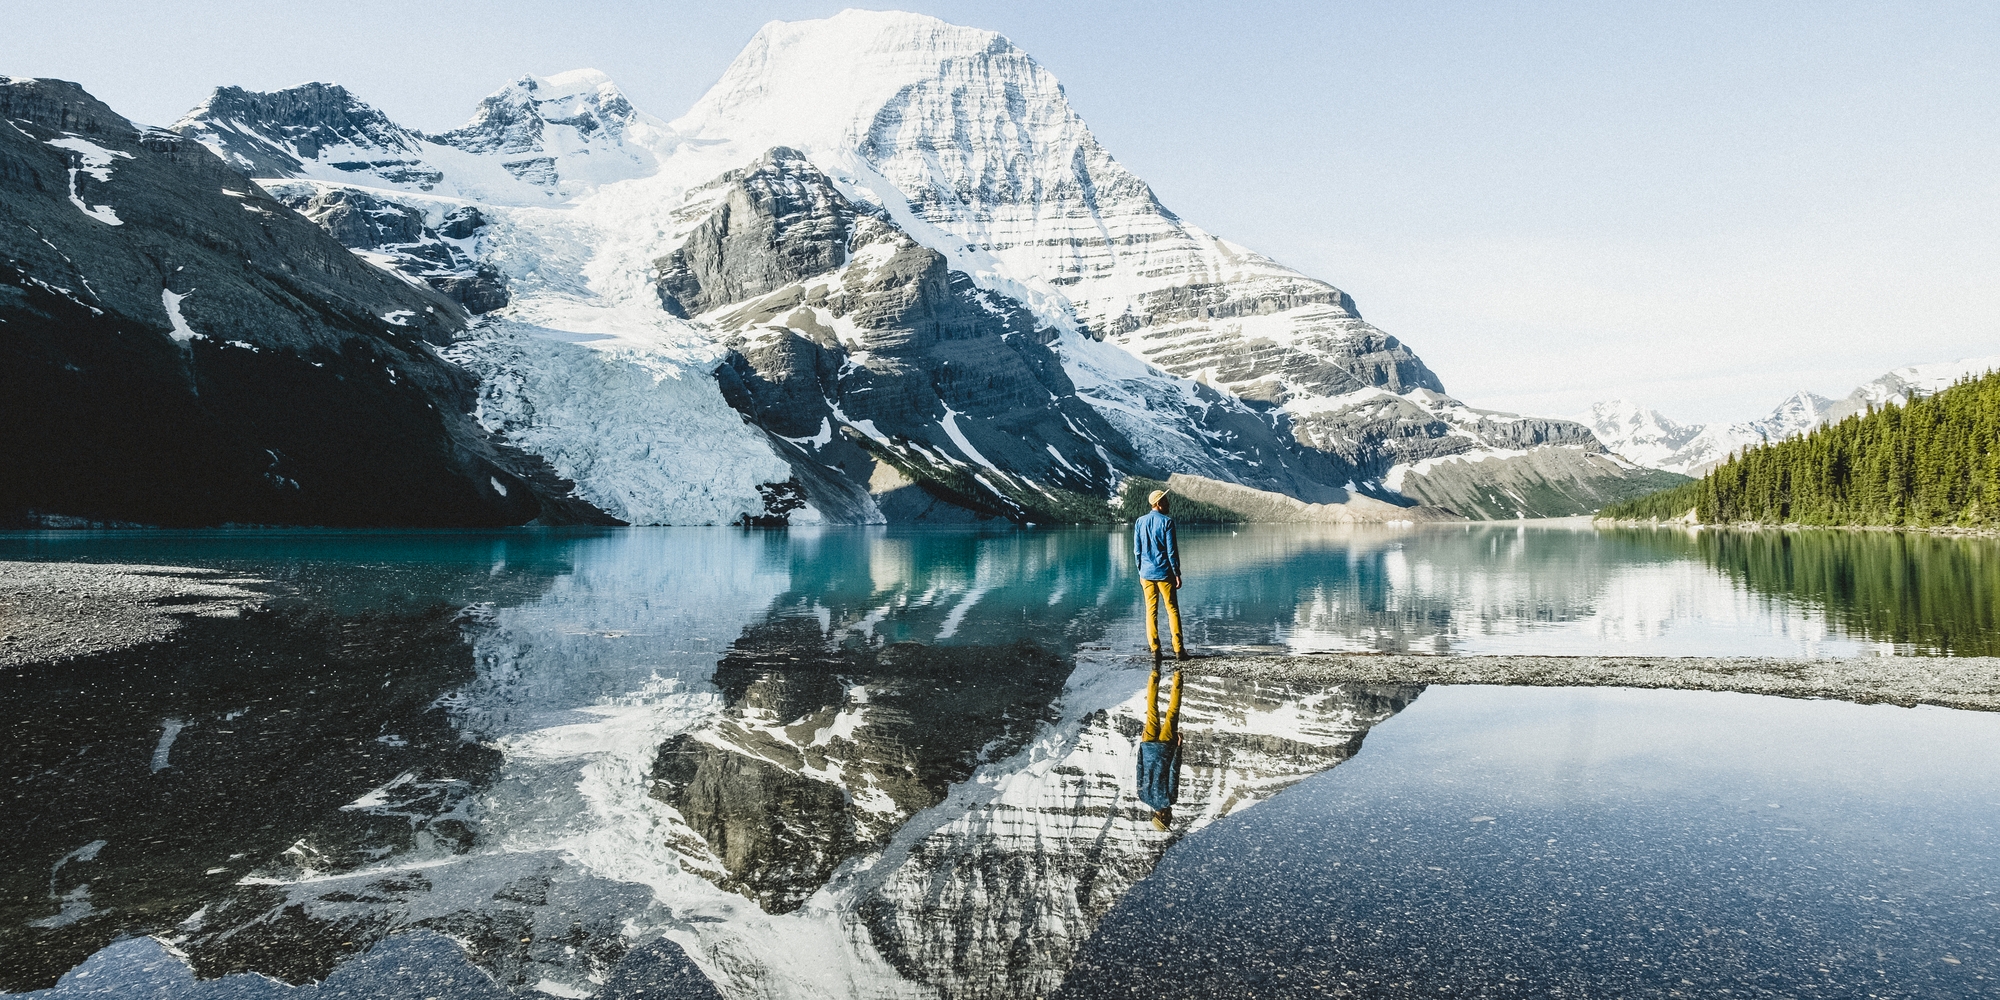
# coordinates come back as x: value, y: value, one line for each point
x: 1154, y: 730
x: 1157, y: 591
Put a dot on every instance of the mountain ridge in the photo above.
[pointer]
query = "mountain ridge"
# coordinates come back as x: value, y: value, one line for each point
x: 181, y: 349
x: 601, y: 249
x: 1649, y: 438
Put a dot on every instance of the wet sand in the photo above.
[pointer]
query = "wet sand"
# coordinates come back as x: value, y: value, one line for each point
x: 54, y: 610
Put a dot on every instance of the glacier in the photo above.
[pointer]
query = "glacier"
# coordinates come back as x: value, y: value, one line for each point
x: 560, y: 213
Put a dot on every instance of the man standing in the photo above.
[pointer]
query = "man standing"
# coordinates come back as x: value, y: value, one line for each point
x: 1159, y: 555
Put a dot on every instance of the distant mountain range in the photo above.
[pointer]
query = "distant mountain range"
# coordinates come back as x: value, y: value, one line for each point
x: 1648, y: 438
x: 882, y: 271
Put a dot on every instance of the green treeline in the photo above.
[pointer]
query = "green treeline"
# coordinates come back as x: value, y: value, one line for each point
x: 1931, y: 463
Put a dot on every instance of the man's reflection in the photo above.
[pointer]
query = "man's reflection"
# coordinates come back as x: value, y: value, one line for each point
x: 1160, y: 751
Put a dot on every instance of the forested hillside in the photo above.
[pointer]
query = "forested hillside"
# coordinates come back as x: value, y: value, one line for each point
x: 1933, y: 462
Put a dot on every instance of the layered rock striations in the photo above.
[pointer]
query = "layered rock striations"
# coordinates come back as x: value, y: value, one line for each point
x: 894, y: 247
x: 967, y: 141
x: 182, y: 349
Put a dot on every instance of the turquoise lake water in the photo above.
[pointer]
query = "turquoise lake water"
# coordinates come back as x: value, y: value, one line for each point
x: 896, y: 762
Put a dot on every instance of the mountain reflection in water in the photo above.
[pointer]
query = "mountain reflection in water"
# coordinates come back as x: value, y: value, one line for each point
x: 804, y: 763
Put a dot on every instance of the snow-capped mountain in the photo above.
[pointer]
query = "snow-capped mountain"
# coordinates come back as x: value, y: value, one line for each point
x: 179, y: 348
x: 1650, y: 439
x: 1898, y: 386
x: 536, y: 140
x: 906, y: 260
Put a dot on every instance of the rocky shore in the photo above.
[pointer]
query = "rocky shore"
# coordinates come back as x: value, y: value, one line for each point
x: 1683, y: 523
x: 1950, y: 682
x: 54, y: 610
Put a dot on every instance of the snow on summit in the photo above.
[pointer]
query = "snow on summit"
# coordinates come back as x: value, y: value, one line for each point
x: 1650, y: 439
x: 563, y: 208
x: 818, y: 85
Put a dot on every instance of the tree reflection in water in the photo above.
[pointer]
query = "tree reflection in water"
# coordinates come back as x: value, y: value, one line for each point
x: 1927, y: 594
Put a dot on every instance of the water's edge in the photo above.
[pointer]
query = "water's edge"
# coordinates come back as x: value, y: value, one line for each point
x: 1968, y: 682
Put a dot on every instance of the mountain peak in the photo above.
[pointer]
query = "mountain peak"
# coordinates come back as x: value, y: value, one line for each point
x: 290, y: 126
x: 513, y: 119
x: 571, y: 81
x: 781, y: 84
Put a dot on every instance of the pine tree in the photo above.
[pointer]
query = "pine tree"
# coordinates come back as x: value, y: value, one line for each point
x: 1934, y: 461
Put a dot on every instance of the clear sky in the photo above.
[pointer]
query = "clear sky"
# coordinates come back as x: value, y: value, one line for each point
x: 1697, y: 206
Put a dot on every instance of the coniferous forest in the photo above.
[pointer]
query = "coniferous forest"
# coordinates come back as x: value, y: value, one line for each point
x: 1933, y: 462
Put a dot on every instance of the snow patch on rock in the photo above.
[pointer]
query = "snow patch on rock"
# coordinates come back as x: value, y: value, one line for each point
x: 94, y: 160
x: 171, y: 300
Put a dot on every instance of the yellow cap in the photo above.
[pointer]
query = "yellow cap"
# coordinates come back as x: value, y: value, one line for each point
x: 1153, y: 499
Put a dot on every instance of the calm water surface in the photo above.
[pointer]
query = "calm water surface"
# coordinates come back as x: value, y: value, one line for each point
x: 1524, y: 588
x: 1511, y: 842
x: 879, y: 762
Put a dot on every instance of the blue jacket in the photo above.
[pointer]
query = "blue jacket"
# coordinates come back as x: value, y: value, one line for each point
x: 1153, y: 542
x: 1159, y: 773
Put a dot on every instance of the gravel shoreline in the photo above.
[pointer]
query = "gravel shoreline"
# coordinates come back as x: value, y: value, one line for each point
x: 56, y: 610
x: 1971, y: 682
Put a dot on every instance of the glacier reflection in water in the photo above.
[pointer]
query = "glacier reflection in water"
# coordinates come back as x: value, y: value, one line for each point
x: 806, y: 763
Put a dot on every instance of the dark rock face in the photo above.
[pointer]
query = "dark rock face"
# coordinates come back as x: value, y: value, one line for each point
x: 398, y: 233
x: 360, y: 221
x: 878, y: 369
x: 309, y: 118
x: 177, y: 348
x: 778, y: 221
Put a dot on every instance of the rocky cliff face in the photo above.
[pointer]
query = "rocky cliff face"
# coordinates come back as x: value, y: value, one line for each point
x: 305, y: 125
x: 864, y: 354
x: 393, y: 235
x: 183, y: 349
x: 958, y: 133
x: 1105, y: 335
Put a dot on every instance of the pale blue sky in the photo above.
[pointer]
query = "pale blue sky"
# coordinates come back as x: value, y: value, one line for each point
x: 1697, y: 206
